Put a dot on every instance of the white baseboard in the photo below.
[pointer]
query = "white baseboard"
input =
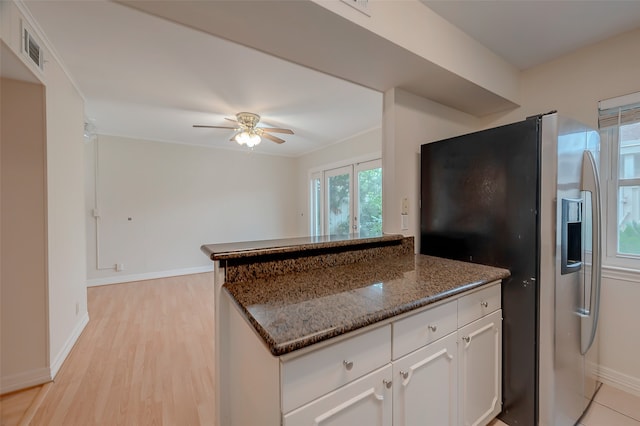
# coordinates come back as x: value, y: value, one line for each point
x: 148, y: 275
x: 619, y: 380
x: 68, y: 345
x: 24, y: 380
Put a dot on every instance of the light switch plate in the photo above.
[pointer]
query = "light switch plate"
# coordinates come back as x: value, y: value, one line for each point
x: 405, y: 206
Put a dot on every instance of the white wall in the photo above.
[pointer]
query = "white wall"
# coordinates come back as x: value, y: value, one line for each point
x: 65, y: 203
x: 23, y: 266
x: 408, y: 122
x: 619, y: 346
x: 574, y: 83
x: 366, y: 145
x: 180, y: 197
x: 63, y: 252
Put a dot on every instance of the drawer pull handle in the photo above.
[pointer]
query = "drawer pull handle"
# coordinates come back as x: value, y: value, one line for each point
x: 387, y: 383
x: 348, y: 365
x: 484, y: 304
x: 433, y: 328
x: 466, y: 339
x: 404, y: 374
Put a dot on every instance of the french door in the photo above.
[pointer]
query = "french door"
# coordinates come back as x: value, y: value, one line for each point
x: 342, y: 205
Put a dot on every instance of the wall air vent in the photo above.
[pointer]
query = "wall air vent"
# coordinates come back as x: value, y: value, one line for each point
x: 31, y: 47
x: 360, y: 5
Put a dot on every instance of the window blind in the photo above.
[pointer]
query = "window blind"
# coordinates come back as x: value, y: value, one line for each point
x: 621, y: 110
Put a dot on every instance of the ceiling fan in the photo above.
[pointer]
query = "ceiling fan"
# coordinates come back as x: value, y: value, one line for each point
x: 247, y: 130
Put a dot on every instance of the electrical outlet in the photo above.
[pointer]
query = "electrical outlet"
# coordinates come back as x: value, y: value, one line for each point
x: 404, y: 219
x: 119, y: 267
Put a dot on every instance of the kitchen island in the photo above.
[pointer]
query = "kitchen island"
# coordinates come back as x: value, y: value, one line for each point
x: 289, y: 311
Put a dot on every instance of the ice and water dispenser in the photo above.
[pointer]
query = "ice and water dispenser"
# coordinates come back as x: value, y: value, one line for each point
x: 571, y: 239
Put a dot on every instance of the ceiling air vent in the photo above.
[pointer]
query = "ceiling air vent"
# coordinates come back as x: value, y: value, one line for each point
x: 31, y: 47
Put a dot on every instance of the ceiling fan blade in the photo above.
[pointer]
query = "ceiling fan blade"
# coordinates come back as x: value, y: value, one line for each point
x: 276, y: 130
x: 231, y: 119
x: 213, y: 127
x: 272, y: 138
x: 233, y: 138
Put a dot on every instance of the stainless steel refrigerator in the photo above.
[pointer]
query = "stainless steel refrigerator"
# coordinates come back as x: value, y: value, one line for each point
x: 526, y: 197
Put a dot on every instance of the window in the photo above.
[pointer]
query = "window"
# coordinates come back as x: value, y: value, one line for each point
x: 619, y: 122
x: 347, y: 200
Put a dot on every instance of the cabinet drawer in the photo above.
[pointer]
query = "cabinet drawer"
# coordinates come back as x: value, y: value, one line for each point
x: 478, y: 304
x: 418, y: 330
x: 366, y: 401
x: 319, y: 372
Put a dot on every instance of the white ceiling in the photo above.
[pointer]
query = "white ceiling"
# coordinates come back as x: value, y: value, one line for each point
x: 527, y: 33
x: 148, y: 78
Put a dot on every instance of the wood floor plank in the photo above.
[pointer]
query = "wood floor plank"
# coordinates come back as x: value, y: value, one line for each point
x: 15, y: 405
x: 145, y: 358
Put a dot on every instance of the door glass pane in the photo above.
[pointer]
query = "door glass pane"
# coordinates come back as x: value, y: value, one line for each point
x: 316, y: 206
x: 370, y: 202
x: 629, y: 220
x: 338, y: 203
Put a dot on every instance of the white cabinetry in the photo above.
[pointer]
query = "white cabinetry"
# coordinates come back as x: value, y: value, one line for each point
x: 321, y: 371
x: 455, y: 379
x: 417, y: 330
x: 480, y: 357
x: 440, y: 366
x: 366, y: 401
x: 426, y: 384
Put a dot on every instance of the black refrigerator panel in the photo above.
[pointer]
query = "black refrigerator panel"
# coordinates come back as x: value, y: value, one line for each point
x: 479, y: 198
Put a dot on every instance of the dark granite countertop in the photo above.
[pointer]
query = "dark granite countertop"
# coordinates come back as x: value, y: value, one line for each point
x: 295, y: 310
x: 289, y: 245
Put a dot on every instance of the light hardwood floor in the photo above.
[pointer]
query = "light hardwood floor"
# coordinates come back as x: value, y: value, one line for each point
x: 146, y: 358
x: 18, y: 408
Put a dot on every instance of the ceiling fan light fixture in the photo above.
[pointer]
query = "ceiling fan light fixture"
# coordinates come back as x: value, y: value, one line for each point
x: 253, y: 140
x: 249, y: 138
x: 247, y: 131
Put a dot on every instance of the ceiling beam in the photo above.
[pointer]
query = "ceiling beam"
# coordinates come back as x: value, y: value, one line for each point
x: 377, y: 52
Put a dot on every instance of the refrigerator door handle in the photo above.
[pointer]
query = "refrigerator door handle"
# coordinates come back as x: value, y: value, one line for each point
x: 591, y: 183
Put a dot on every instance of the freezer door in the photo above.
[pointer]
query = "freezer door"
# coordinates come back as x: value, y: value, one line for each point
x: 479, y: 195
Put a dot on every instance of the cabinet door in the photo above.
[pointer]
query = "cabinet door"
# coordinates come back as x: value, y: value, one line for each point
x: 480, y: 370
x: 425, y: 385
x: 366, y: 401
